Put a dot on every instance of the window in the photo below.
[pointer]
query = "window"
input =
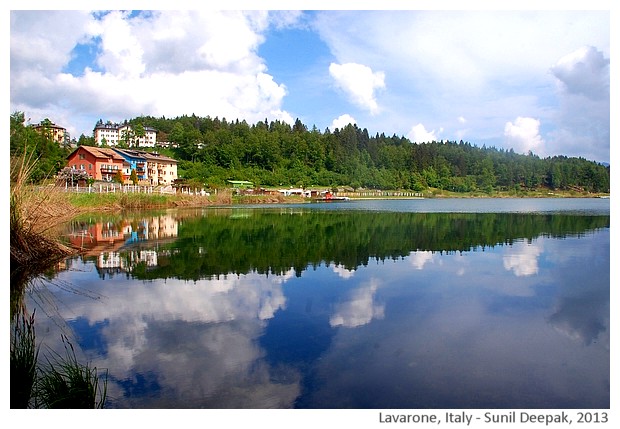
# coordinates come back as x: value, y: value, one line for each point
x: 90, y: 166
x: 82, y: 156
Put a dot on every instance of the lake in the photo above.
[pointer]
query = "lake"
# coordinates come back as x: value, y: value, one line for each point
x: 377, y: 304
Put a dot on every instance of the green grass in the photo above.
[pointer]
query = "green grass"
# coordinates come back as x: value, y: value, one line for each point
x: 62, y: 382
x: 66, y: 383
x: 24, y: 354
x: 119, y: 200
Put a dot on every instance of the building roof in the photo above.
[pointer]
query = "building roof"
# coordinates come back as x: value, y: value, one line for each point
x: 99, y: 152
x: 130, y: 153
x: 241, y: 183
x: 141, y: 154
x: 115, y: 126
x: 48, y: 125
x: 154, y: 156
x: 107, y: 125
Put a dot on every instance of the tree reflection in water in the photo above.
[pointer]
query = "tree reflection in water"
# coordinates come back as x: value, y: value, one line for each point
x: 298, y: 307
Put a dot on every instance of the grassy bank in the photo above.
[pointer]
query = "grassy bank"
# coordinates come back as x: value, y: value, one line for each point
x: 138, y: 201
x: 524, y: 193
x: 441, y: 193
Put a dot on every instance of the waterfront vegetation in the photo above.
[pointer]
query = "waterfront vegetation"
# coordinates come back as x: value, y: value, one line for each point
x: 64, y: 382
x: 59, y: 382
x: 35, y: 213
x: 85, y: 202
x: 24, y: 355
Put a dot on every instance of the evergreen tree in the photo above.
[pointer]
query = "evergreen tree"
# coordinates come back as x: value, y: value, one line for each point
x: 278, y: 154
x: 134, y: 176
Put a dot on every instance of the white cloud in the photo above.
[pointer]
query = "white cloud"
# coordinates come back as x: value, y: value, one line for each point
x: 39, y: 44
x: 489, y: 76
x: 420, y: 259
x: 419, y: 134
x: 360, y: 309
x: 461, y: 59
x: 359, y: 83
x: 522, y: 259
x: 584, y: 72
x: 162, y: 63
x: 121, y: 50
x: 583, y: 117
x: 282, y: 19
x: 342, y: 121
x: 523, y: 135
x: 208, y: 62
x: 343, y: 272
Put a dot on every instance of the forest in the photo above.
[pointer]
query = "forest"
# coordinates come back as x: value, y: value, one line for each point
x: 211, y: 151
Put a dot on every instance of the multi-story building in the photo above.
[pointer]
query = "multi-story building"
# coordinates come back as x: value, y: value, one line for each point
x: 135, y: 160
x: 104, y: 163
x: 153, y: 167
x: 100, y: 163
x: 111, y: 134
x: 160, y: 169
x: 53, y: 131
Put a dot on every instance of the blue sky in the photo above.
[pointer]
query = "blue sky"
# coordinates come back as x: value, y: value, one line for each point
x: 522, y: 79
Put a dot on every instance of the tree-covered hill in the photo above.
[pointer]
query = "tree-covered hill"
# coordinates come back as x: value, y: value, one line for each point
x: 212, y: 150
x: 275, y: 153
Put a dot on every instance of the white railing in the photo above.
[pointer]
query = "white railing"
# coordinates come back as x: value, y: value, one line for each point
x: 111, y: 188
x: 100, y: 188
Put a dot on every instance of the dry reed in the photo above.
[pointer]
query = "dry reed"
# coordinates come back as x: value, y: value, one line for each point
x: 35, y: 213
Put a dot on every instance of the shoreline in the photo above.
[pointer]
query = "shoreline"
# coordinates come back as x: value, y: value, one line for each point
x: 136, y: 202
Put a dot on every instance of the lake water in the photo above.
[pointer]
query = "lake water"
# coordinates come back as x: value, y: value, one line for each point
x: 361, y: 304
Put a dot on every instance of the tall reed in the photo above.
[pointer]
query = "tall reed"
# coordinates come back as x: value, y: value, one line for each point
x: 24, y: 355
x: 66, y: 383
x: 62, y: 382
x: 35, y: 212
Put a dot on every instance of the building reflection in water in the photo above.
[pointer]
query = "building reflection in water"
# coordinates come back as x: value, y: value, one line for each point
x: 115, y: 246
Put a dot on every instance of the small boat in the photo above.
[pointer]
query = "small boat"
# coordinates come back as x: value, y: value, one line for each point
x: 328, y: 196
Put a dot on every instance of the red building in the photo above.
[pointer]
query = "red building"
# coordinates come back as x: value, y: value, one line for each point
x: 99, y: 163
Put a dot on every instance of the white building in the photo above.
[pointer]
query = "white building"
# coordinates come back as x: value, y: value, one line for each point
x: 296, y: 191
x: 112, y: 134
